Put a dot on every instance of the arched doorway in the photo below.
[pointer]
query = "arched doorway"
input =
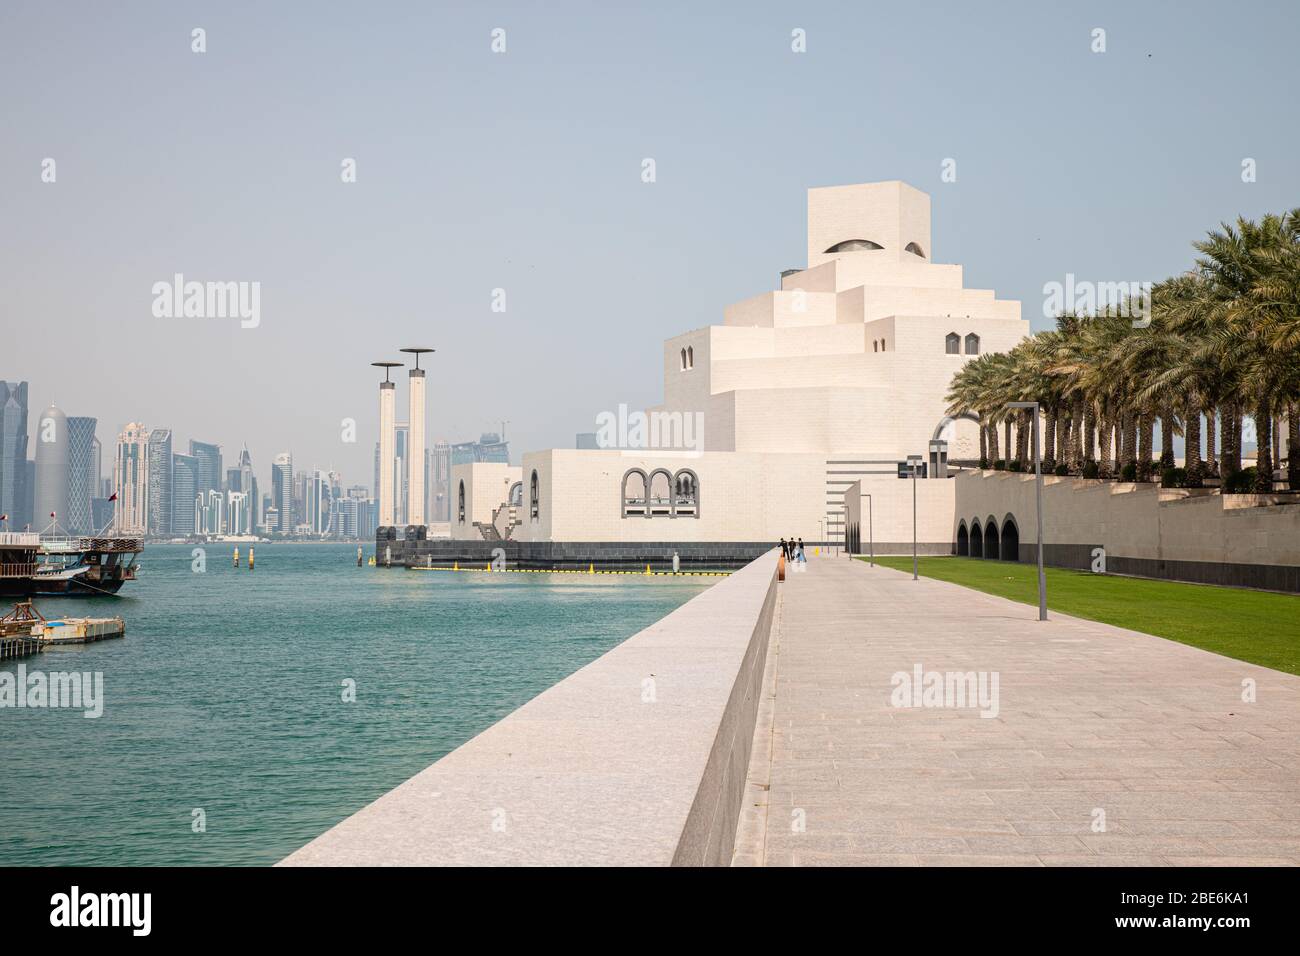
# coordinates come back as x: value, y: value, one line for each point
x: 976, y: 540
x: 1010, y: 540
x: 991, y: 540
x: 963, y: 540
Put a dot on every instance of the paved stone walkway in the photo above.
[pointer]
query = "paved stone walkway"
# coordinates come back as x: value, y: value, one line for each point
x: 1095, y: 726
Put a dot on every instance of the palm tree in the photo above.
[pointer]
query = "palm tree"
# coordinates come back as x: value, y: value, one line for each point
x: 1242, y: 265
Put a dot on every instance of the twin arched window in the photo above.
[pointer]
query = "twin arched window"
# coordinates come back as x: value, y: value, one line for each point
x: 877, y: 345
x: 660, y: 494
x: 952, y: 344
x: 688, y: 358
x: 534, y: 497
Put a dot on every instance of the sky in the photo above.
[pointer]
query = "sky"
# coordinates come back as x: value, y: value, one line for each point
x: 522, y: 171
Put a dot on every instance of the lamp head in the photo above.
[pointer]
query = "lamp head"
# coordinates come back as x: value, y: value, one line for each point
x: 417, y: 352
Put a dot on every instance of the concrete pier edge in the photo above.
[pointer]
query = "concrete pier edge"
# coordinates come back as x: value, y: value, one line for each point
x: 637, y: 759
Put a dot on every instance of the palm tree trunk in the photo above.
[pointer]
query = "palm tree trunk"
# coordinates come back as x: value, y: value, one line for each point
x: 1049, y: 440
x: 1192, y: 443
x: 1264, y: 446
x: 1106, y: 436
x: 1293, y: 446
x: 993, y: 443
x: 1076, y: 436
x: 1230, y: 455
x: 1063, y: 439
x: 1277, y: 438
x: 1130, y: 450
x: 984, y: 446
x: 1022, y: 438
x: 1146, y: 439
x: 1211, y: 461
x: 1090, y: 436
x: 1167, y: 424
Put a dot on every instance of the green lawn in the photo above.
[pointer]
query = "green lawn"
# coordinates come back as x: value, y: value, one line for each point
x: 1255, y: 626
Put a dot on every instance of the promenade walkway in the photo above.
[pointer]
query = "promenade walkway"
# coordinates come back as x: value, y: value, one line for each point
x: 1108, y: 746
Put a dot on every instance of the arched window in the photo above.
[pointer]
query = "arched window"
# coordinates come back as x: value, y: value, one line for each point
x: 634, y: 493
x: 952, y: 343
x: 854, y: 245
x: 534, y: 503
x: 972, y: 344
x: 882, y: 346
x: 683, y: 360
x: 914, y: 249
x: 660, y: 497
x: 460, y: 503
x: 690, y: 356
x: 686, y: 494
x: 517, y: 495
x: 875, y: 345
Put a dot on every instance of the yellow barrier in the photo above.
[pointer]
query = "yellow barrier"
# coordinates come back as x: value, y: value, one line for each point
x: 590, y: 570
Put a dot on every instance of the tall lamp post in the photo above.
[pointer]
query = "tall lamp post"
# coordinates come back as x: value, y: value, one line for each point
x: 1038, y: 493
x: 914, y: 465
x: 871, y: 538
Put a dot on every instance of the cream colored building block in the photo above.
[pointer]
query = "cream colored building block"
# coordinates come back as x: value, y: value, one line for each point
x: 482, y: 487
x: 838, y: 375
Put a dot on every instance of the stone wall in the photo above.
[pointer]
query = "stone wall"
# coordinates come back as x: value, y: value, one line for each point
x: 1141, y: 529
x: 637, y: 759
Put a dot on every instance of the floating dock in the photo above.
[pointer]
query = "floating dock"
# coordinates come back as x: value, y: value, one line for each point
x: 24, y: 630
x: 79, y: 630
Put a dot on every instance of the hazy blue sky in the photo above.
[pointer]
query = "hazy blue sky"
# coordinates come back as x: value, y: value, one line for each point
x: 522, y: 171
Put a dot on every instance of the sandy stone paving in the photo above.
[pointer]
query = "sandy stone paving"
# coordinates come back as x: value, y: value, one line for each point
x: 1090, y: 720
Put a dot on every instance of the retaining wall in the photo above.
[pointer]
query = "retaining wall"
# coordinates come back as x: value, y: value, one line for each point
x: 639, y: 758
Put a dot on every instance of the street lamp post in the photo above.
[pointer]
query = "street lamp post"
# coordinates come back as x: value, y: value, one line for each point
x: 871, y: 537
x: 914, y: 465
x: 1038, y: 493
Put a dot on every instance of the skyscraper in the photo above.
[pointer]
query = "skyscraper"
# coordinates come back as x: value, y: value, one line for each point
x: 248, y: 485
x: 51, y: 471
x: 401, y: 471
x: 209, y: 457
x: 83, y: 474
x: 439, y: 482
x: 282, y: 491
x: 161, y: 507
x: 316, y: 502
x: 237, y: 508
x: 131, y: 480
x: 185, y: 478
x: 13, y: 453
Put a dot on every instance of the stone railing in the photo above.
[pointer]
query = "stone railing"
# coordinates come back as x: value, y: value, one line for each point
x: 637, y: 759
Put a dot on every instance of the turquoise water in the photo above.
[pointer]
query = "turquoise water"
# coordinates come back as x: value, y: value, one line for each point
x: 226, y: 696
